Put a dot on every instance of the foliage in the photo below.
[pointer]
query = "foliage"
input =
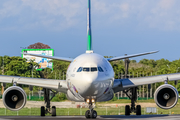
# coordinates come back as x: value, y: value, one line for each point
x: 59, y: 97
x: 59, y: 72
x: 17, y: 66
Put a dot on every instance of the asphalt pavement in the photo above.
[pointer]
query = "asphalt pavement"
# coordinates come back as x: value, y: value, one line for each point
x: 112, y: 117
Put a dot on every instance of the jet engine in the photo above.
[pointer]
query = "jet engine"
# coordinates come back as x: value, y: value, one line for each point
x: 14, y: 98
x: 166, y: 96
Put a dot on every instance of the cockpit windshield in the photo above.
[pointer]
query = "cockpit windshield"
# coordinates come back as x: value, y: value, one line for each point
x: 92, y: 69
x: 86, y: 69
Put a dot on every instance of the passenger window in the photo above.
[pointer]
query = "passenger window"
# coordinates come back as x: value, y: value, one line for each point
x: 86, y: 69
x: 100, y: 69
x: 80, y: 69
x: 93, y: 69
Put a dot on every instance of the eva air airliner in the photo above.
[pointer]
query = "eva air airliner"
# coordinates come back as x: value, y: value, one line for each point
x: 90, y: 79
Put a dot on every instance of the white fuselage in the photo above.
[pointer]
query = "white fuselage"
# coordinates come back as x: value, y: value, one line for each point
x: 90, y: 76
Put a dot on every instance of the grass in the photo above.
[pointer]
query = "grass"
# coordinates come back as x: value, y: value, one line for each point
x: 127, y: 101
x: 81, y: 111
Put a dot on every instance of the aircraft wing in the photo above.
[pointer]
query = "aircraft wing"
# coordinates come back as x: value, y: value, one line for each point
x: 130, y: 56
x: 121, y: 84
x: 59, y: 85
x: 50, y: 57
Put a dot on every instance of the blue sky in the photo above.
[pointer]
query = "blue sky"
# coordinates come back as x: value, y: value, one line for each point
x: 118, y: 27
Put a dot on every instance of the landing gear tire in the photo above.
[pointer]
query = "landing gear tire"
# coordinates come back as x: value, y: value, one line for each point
x: 127, y: 110
x: 42, y: 111
x: 87, y: 114
x: 93, y: 114
x: 53, y: 111
x: 132, y: 94
x: 138, y: 110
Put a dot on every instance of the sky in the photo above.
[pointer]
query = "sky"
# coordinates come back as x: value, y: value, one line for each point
x: 118, y: 27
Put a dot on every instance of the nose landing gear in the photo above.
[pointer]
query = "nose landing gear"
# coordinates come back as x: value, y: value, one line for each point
x: 91, y: 113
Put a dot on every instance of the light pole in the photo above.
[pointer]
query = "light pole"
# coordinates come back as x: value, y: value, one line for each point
x: 32, y: 70
x: 2, y: 84
x: 177, y: 70
x: 176, y: 82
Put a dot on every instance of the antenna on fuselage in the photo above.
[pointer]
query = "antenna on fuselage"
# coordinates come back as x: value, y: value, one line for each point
x: 89, y: 37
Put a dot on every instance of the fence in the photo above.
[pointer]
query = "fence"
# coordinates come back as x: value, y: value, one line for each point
x: 81, y: 111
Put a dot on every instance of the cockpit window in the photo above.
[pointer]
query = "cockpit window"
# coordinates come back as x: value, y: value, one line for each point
x: 86, y: 69
x: 100, y: 69
x: 93, y: 69
x: 80, y: 69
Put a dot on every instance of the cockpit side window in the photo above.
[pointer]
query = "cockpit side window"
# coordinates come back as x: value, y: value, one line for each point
x: 100, y: 69
x: 93, y: 69
x: 86, y: 69
x: 80, y: 69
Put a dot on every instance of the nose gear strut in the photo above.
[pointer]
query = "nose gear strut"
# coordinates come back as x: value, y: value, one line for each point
x: 91, y: 113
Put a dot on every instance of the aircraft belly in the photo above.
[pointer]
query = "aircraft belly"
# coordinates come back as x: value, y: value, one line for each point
x: 105, y: 97
x: 100, y: 88
x: 73, y: 96
x: 97, y: 90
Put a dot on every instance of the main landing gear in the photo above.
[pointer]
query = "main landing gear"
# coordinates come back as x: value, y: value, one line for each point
x: 132, y: 94
x: 91, y: 113
x: 47, y: 100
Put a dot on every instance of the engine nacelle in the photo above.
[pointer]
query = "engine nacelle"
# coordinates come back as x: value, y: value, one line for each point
x: 14, y: 98
x: 166, y: 96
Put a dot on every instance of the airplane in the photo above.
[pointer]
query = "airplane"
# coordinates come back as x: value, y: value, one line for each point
x: 90, y: 79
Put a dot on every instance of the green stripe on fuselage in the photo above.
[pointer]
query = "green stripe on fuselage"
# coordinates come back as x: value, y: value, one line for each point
x: 89, y: 42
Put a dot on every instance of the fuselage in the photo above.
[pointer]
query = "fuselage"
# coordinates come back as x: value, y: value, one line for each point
x: 90, y: 76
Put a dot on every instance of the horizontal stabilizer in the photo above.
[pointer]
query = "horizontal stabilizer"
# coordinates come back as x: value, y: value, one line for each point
x: 50, y: 57
x: 130, y: 56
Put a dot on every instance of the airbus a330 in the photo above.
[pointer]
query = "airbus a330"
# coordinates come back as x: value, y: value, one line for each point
x: 90, y: 79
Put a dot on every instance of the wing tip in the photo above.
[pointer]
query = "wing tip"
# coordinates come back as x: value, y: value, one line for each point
x: 156, y: 51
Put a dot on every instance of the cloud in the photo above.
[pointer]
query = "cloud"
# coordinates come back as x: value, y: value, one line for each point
x: 9, y: 8
x: 65, y: 14
x: 55, y: 14
x: 166, y: 4
x: 145, y: 14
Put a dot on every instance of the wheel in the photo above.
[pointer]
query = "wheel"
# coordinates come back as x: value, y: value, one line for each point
x: 53, y: 111
x: 87, y: 114
x: 93, y: 114
x: 138, y: 110
x: 42, y: 111
x: 127, y: 110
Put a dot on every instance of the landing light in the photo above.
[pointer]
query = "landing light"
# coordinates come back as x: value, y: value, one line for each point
x: 93, y: 100
x: 87, y: 100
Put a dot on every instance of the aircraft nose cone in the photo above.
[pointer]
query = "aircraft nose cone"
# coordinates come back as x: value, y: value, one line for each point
x: 90, y: 79
x: 87, y: 85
